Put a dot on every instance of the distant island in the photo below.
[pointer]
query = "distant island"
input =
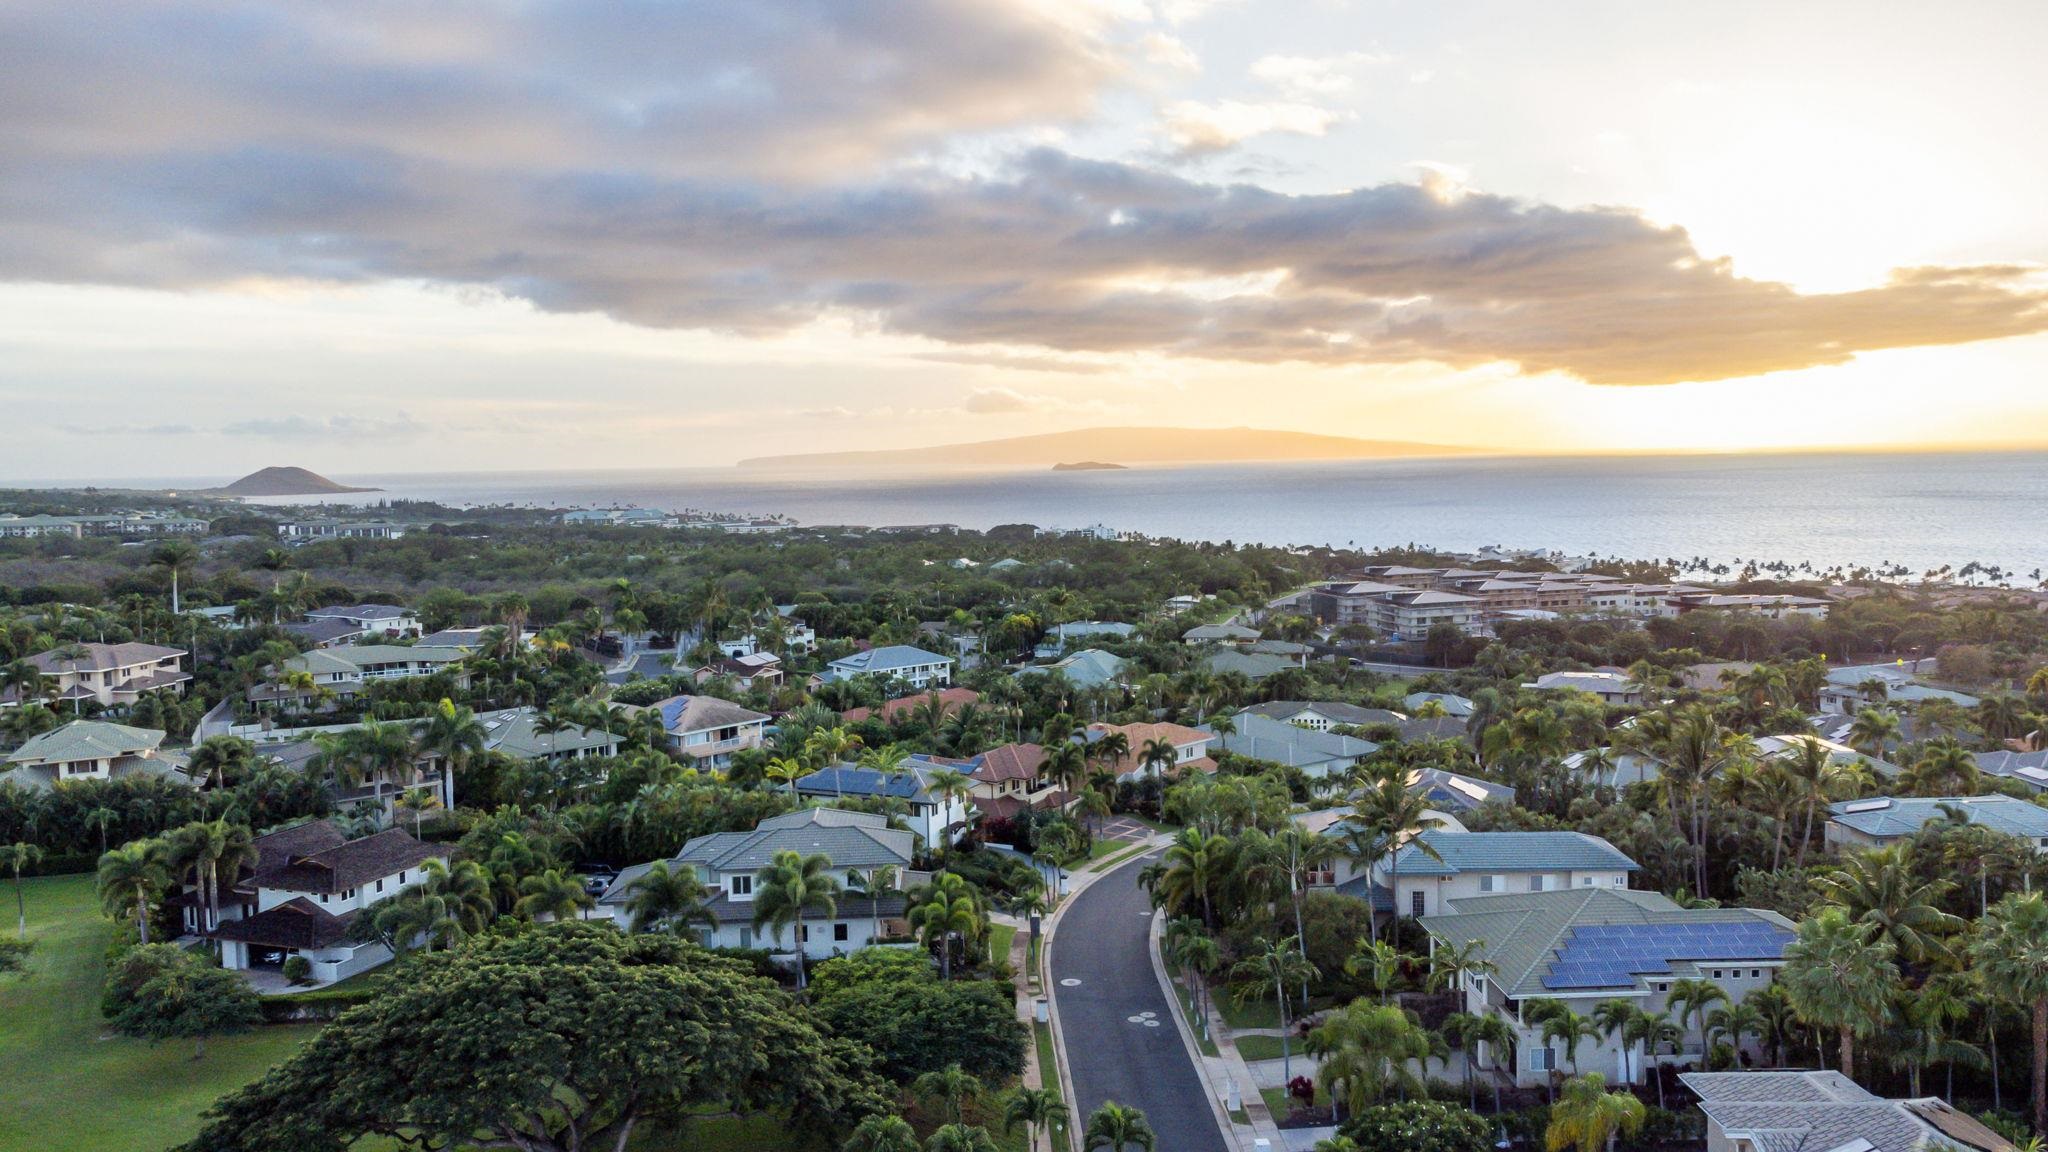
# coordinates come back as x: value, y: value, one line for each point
x: 1130, y: 445
x: 1089, y: 466
x: 284, y: 482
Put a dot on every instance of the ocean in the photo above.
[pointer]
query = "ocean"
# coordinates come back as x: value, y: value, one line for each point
x: 1916, y: 511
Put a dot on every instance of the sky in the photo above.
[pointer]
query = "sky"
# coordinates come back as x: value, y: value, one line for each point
x: 537, y: 234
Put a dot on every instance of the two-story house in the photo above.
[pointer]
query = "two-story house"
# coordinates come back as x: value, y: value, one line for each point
x: 1189, y: 746
x: 911, y: 665
x: 729, y: 865
x: 709, y: 730
x: 92, y: 750
x: 1321, y: 715
x: 1883, y: 821
x: 1315, y: 753
x: 938, y: 821
x: 1009, y: 780
x: 390, y: 621
x: 1584, y: 946
x: 746, y: 671
x: 111, y: 675
x: 345, y: 670
x: 307, y: 886
x: 1438, y: 867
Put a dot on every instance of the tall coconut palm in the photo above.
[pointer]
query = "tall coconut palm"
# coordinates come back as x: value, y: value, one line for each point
x: 1277, y: 966
x: 453, y: 735
x: 219, y: 758
x: 1588, y: 1118
x: 791, y: 887
x: 1037, y: 1109
x: 1649, y: 1032
x: 1880, y: 889
x: 1386, y: 817
x: 1116, y: 1127
x: 872, y: 886
x: 176, y: 557
x: 131, y: 878
x: 665, y: 899
x: 210, y: 849
x: 1690, y: 1000
x: 2010, y: 953
x: 1734, y: 1021
x: 1839, y: 974
x: 1194, y: 866
x: 1616, y: 1019
x: 1873, y: 730
x: 16, y: 857
x: 958, y: 1137
x: 1568, y: 1030
x: 943, y: 910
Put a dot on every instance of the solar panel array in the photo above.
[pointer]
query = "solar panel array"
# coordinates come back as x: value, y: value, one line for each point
x: 1611, y: 955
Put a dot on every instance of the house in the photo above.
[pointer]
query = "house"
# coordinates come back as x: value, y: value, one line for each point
x: 1468, y: 864
x: 1457, y: 706
x: 709, y: 730
x: 1315, y: 753
x: 383, y: 787
x: 346, y: 670
x: 1791, y: 744
x: 918, y: 667
x: 1828, y: 1112
x: 1773, y: 606
x: 516, y: 732
x: 899, y: 709
x: 1853, y: 686
x: 388, y: 620
x: 1886, y: 820
x: 2028, y: 769
x: 937, y: 822
x: 1246, y: 661
x: 110, y: 675
x: 306, y: 889
x: 1321, y: 715
x: 1219, y: 634
x: 92, y: 750
x: 1088, y: 668
x: 331, y: 529
x: 797, y: 636
x: 727, y: 863
x: 1455, y: 793
x: 1610, y: 687
x: 746, y: 672
x: 1190, y: 748
x: 1008, y: 780
x: 1614, y: 767
x: 1056, y: 641
x: 1585, y: 945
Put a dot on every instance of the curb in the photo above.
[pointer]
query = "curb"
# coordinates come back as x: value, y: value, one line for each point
x: 1202, y: 1065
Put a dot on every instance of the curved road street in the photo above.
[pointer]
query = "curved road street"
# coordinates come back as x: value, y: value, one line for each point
x: 1103, y: 942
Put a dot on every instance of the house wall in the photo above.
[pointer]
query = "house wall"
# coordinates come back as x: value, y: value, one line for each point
x: 1435, y: 890
x: 373, y: 892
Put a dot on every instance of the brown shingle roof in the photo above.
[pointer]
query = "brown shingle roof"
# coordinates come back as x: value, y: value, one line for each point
x: 353, y: 864
x: 296, y: 923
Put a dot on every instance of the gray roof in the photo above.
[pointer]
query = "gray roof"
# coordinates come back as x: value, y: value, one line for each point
x: 890, y: 658
x: 1457, y: 706
x: 1522, y: 934
x: 101, y: 657
x: 1825, y: 1111
x: 512, y: 732
x: 1088, y: 668
x: 1334, y: 711
x: 1264, y: 738
x: 1454, y: 792
x: 1886, y: 816
x: 2028, y: 768
x: 1220, y: 632
x: 850, y: 839
x: 1253, y: 665
x: 324, y: 631
x: 1461, y: 852
x: 360, y: 612
x: 86, y: 740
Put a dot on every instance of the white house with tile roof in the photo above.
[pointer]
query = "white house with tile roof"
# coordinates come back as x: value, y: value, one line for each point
x: 912, y: 665
x: 708, y: 729
x: 729, y: 864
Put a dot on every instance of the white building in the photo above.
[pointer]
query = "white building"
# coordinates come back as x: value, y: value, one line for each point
x: 729, y: 865
x: 111, y: 675
x: 915, y: 666
x: 329, y: 529
x: 710, y: 730
x: 305, y: 890
x: 1610, y: 687
x: 91, y: 750
x: 391, y: 621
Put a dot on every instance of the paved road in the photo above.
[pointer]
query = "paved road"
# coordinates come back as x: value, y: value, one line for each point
x: 1102, y: 942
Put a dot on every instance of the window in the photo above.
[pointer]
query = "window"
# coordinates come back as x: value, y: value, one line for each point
x: 743, y: 885
x: 401, y: 877
x: 1756, y: 973
x: 804, y: 933
x: 1663, y: 987
x: 1587, y: 882
x: 839, y: 933
x: 1542, y: 1059
x: 1535, y: 883
x: 1717, y: 973
x: 746, y: 937
x: 1415, y: 903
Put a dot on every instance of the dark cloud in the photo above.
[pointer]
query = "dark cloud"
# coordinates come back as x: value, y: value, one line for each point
x: 729, y: 167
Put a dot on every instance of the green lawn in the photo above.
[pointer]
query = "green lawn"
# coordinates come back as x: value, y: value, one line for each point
x: 1262, y: 1047
x: 1246, y: 1013
x: 999, y: 938
x: 71, y: 1083
x: 1187, y: 1012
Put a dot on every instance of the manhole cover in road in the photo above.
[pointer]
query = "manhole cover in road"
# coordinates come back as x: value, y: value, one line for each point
x: 1147, y: 1015
x: 1151, y: 1023
x: 1135, y: 1019
x: 1070, y: 982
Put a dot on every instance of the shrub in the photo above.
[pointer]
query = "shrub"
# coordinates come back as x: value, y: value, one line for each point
x: 298, y: 969
x: 1418, y: 1126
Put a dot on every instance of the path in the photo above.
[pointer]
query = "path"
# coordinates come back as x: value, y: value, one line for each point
x: 1119, y: 1035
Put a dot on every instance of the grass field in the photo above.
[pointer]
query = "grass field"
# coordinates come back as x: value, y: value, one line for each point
x: 1246, y: 1013
x: 72, y: 1084
x: 1262, y: 1047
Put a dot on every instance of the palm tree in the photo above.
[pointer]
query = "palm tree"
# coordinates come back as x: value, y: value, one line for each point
x: 1926, y: 1032
x: 1194, y: 865
x: 455, y: 736
x: 553, y: 893
x: 1690, y: 999
x: 882, y: 1134
x: 1377, y: 962
x: 1589, y: 1117
x: 1735, y: 1021
x: 130, y: 879
x: 790, y: 887
x: 1115, y: 1128
x: 1945, y: 768
x: 208, y: 849
x: 951, y: 1085
x: 1499, y: 1037
x: 1780, y: 1021
x: 1567, y: 1028
x: 2010, y: 952
x: 960, y: 1138
x: 1880, y: 889
x: 1839, y: 974
x: 942, y: 910
x: 1391, y: 817
x: 1281, y: 964
x: 1195, y: 953
x: 16, y: 857
x: 665, y: 899
x: 1037, y: 1109
x: 419, y: 801
x: 219, y: 757
x: 1616, y: 1019
x: 1873, y: 730
x: 175, y: 557
x: 786, y: 770
x: 871, y: 885
x: 1650, y: 1031
x: 1365, y: 1051
x: 464, y: 888
x: 949, y: 786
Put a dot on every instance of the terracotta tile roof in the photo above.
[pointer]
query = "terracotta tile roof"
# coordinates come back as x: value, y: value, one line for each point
x: 896, y: 709
x: 1010, y: 762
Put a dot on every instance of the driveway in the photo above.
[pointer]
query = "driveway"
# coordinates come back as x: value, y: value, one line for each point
x: 1121, y: 1041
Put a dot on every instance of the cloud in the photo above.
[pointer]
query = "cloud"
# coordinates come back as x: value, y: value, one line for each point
x: 1312, y: 76
x: 337, y: 427
x: 1195, y: 127
x: 1169, y: 51
x: 754, y: 172
x: 991, y: 401
x: 128, y: 429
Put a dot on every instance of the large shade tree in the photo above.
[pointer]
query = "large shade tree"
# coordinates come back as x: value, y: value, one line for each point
x: 571, y: 1036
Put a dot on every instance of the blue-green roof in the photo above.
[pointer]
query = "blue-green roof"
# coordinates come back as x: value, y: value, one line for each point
x: 1886, y: 816
x: 1511, y: 852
